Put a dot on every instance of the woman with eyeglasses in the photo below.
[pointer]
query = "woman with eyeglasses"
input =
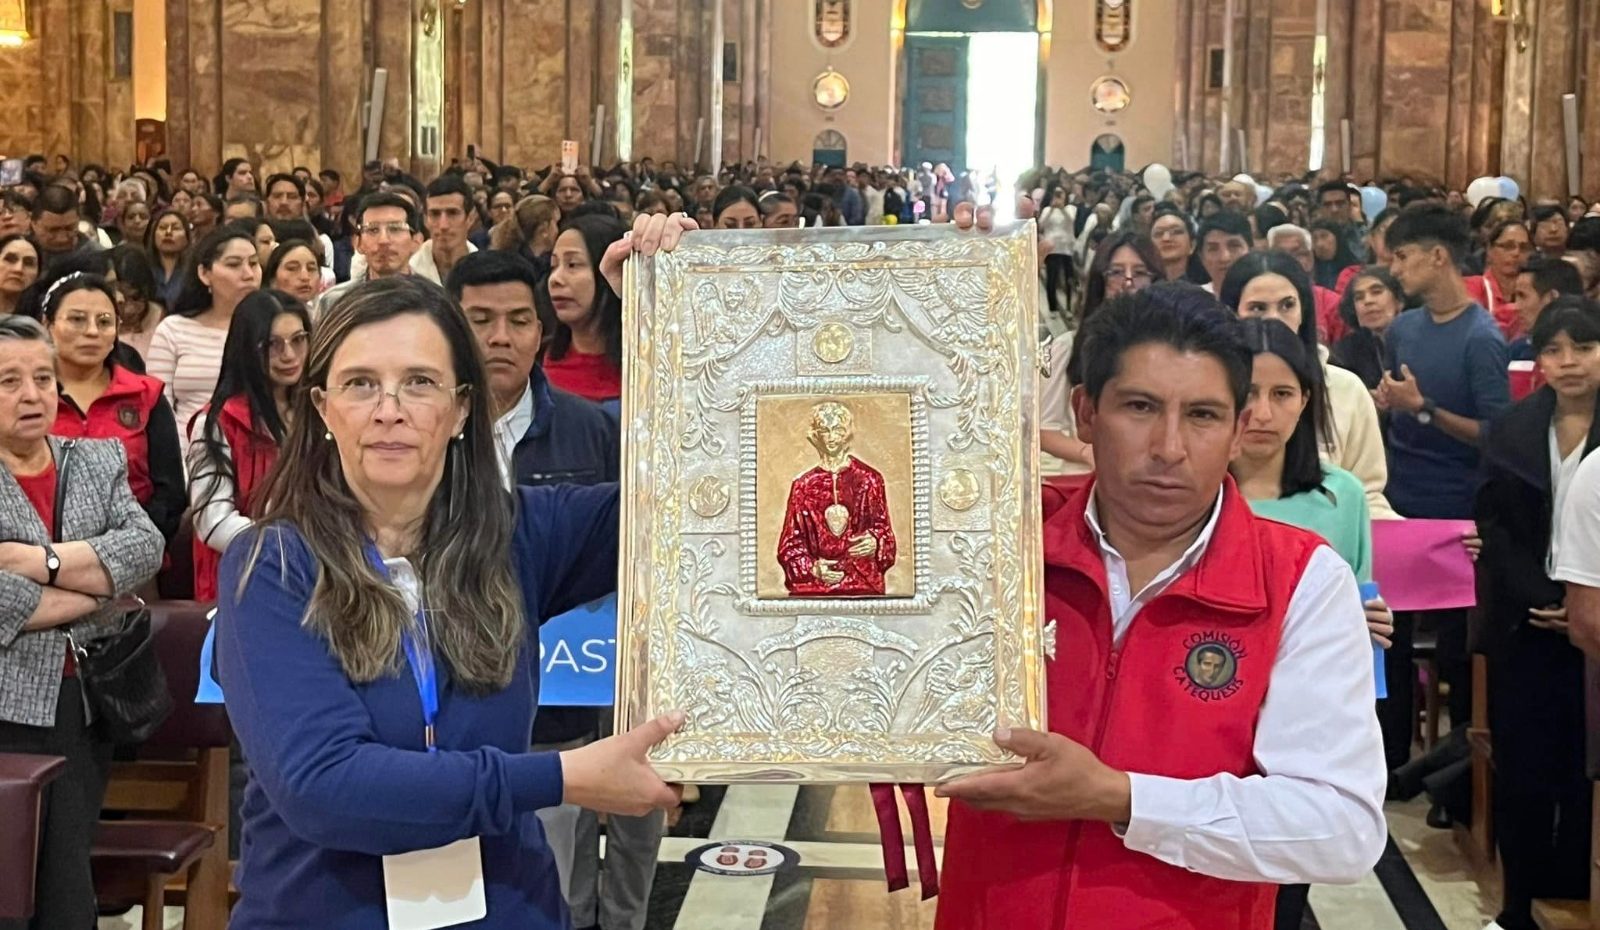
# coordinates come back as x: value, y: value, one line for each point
x: 186, y: 350
x: 377, y: 637
x: 103, y: 399
x: 1125, y: 263
x: 1507, y: 245
x: 501, y: 205
x: 19, y: 269
x: 243, y: 426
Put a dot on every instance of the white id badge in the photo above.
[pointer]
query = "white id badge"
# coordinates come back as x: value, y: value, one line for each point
x: 433, y: 888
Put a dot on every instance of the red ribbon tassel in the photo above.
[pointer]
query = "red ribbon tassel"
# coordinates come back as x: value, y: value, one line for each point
x: 893, y: 839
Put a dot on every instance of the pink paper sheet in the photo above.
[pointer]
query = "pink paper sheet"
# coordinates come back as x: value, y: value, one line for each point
x: 1422, y: 565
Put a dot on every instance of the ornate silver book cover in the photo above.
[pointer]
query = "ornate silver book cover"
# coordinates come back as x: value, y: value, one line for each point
x: 830, y: 521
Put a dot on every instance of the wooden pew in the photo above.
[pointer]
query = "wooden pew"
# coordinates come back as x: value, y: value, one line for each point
x: 180, y: 776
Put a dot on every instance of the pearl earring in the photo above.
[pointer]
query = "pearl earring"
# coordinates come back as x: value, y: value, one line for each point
x: 328, y: 434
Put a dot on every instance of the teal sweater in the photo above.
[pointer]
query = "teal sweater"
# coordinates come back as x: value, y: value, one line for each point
x: 1337, y: 512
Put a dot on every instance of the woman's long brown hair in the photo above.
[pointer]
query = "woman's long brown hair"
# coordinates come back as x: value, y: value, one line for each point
x: 475, y: 609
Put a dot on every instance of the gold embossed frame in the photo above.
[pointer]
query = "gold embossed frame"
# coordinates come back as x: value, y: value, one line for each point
x: 830, y: 519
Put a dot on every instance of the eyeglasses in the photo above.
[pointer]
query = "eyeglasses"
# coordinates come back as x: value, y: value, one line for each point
x: 386, y: 230
x: 81, y: 323
x: 1135, y: 275
x: 279, y: 345
x: 418, y: 395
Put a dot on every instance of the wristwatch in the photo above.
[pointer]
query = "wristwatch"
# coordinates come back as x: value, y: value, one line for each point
x: 1425, y: 415
x: 52, y: 563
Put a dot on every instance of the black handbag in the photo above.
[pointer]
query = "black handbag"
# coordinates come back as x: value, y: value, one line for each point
x: 125, y: 692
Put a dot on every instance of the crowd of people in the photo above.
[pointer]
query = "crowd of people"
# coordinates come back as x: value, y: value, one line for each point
x: 216, y: 357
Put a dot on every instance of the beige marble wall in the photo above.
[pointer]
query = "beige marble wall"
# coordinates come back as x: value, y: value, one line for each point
x: 1420, y: 81
x: 271, y: 106
x: 65, y: 100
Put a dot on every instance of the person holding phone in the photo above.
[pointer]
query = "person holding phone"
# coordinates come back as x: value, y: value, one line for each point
x: 1542, y: 797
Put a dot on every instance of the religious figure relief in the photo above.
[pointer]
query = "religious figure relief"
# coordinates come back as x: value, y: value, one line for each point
x: 837, y: 540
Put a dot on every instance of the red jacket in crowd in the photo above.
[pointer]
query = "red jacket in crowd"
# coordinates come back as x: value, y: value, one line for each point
x: 254, y: 451
x: 121, y: 413
x: 1135, y: 706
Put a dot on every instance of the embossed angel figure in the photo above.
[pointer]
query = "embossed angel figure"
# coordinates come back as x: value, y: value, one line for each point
x: 836, y: 539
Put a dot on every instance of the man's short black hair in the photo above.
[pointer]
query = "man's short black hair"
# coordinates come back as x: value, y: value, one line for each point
x: 489, y: 266
x: 386, y: 199
x: 1228, y: 223
x: 1170, y: 313
x: 1553, y: 274
x: 1337, y: 187
x: 328, y: 174
x: 55, y: 198
x: 1585, y: 235
x: 507, y: 171
x: 446, y: 184
x: 1431, y: 224
x: 280, y: 178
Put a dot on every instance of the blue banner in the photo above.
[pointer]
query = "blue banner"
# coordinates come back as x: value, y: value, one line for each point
x: 578, y: 656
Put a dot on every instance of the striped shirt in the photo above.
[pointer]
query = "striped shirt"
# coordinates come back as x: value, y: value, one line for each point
x: 187, y: 356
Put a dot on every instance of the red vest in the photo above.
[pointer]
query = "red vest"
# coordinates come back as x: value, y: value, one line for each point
x: 1179, y: 697
x: 253, y: 451
x: 123, y: 413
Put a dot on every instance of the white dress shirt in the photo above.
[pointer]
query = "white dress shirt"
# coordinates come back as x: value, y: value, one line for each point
x: 1315, y: 814
x: 1577, y: 543
x: 509, y: 430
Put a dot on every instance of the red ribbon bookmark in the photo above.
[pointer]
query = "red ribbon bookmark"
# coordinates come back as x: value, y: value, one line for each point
x: 894, y: 845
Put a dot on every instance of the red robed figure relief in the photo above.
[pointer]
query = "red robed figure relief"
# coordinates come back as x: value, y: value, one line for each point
x: 836, y: 539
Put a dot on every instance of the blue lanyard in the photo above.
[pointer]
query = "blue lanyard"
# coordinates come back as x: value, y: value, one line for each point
x: 419, y: 655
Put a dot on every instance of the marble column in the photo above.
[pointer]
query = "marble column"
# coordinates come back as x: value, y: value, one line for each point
x: 1412, y: 112
x: 583, y: 53
x: 178, y: 90
x: 55, y: 22
x: 271, y: 109
x: 1289, y: 80
x: 1553, y: 76
x: 533, y: 93
x: 205, y: 86
x: 747, y: 80
x: 764, y: 77
x: 346, y: 81
x: 1589, y: 99
x: 120, y: 147
x: 90, y: 71
x: 1366, y: 84
x: 491, y: 82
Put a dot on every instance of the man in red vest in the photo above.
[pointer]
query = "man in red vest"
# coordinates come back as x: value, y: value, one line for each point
x: 1211, y: 696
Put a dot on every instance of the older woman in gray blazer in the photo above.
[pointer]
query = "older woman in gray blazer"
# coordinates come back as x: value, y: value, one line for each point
x: 109, y: 547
